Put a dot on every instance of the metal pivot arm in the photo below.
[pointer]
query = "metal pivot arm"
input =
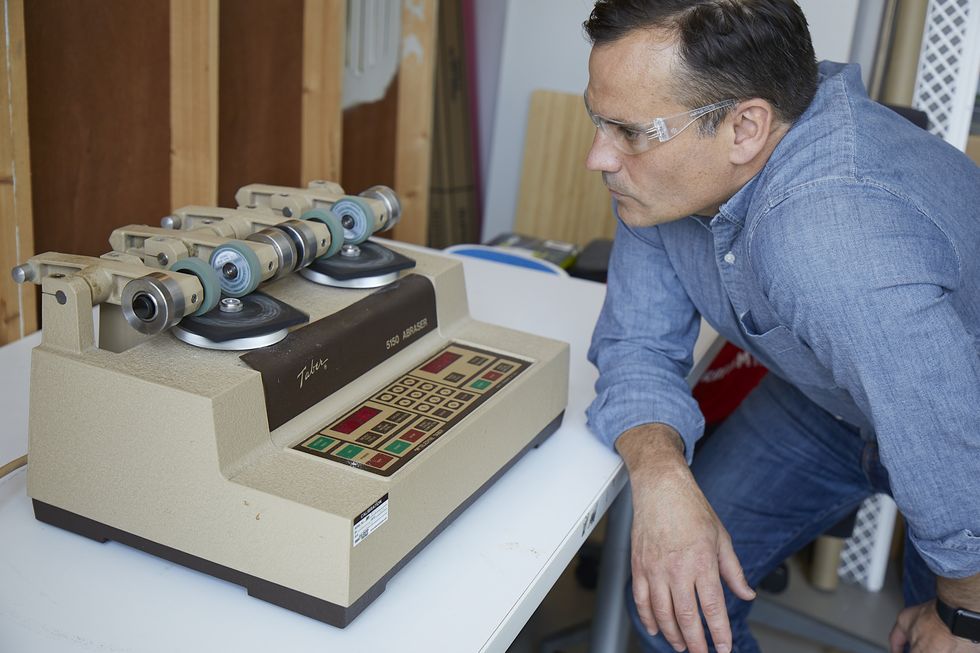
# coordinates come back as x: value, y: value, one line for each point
x: 375, y: 209
x: 316, y: 235
x: 151, y: 300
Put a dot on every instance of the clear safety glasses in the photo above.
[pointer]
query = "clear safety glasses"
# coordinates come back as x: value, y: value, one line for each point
x: 633, y: 138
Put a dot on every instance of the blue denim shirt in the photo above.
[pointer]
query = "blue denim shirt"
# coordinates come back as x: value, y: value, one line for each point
x: 850, y: 266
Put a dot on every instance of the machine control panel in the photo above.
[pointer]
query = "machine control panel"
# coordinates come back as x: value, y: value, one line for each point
x: 384, y: 432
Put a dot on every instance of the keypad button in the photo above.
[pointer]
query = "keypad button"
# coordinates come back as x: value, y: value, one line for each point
x: 369, y: 438
x: 379, y: 460
x: 398, y: 446
x: 412, y: 435
x: 321, y: 443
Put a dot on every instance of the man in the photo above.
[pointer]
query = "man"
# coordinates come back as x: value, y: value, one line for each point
x: 834, y: 241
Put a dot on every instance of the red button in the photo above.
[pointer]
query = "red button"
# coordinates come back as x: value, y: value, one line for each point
x: 493, y: 376
x: 379, y: 460
x: 412, y: 435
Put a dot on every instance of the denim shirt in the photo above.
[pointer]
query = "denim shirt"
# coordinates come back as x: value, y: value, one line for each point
x: 850, y: 267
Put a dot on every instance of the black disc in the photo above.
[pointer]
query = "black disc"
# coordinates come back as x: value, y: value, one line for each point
x: 260, y: 315
x: 374, y: 261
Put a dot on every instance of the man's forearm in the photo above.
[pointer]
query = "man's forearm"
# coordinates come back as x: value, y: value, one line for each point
x: 650, y: 447
x: 960, y: 592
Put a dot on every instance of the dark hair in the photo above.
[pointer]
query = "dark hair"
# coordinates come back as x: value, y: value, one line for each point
x: 728, y: 49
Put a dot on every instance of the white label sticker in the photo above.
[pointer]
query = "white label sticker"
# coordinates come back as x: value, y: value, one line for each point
x: 370, y: 520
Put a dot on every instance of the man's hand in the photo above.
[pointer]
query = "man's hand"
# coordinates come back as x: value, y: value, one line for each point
x: 680, y: 548
x: 921, y: 628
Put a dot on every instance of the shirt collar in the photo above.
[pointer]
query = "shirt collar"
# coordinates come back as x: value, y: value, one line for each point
x: 737, y: 207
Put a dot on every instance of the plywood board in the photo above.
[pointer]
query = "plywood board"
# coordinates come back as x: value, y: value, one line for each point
x: 18, y: 308
x: 559, y: 198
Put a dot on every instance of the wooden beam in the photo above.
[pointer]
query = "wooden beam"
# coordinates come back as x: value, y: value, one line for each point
x: 324, y: 32
x: 413, y: 147
x: 193, y: 102
x: 18, y: 304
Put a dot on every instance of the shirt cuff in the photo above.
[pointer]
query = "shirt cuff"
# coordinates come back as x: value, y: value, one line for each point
x: 956, y: 556
x: 609, y: 418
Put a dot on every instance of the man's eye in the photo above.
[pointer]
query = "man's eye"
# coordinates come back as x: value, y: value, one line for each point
x: 629, y: 133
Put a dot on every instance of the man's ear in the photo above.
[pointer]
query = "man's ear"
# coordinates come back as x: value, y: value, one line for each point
x: 752, y: 123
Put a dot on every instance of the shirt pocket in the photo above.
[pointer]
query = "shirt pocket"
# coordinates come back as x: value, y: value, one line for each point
x: 779, y: 346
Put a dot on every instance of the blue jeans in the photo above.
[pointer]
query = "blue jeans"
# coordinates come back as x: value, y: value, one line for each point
x: 780, y: 471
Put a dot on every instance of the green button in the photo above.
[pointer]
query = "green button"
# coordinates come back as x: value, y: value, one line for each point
x: 480, y: 384
x: 398, y: 446
x: 350, y: 451
x: 321, y: 443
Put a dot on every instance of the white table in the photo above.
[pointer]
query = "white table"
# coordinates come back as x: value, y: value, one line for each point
x: 472, y: 589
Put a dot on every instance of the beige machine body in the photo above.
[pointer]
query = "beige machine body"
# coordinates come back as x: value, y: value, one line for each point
x: 173, y: 449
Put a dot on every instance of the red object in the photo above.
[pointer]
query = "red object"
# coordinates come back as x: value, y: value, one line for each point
x: 355, y: 421
x: 732, y: 375
x: 440, y: 362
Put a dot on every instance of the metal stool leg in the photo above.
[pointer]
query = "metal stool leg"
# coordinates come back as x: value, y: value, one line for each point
x: 610, y: 625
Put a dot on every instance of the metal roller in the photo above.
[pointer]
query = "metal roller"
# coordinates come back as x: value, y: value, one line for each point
x: 238, y: 268
x: 304, y: 238
x: 153, y: 303
x: 393, y: 205
x: 284, y: 246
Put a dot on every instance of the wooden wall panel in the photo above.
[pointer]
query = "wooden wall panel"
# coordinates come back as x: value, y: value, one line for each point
x: 413, y: 149
x: 98, y: 78
x: 453, y: 210
x: 260, y: 90
x: 369, y: 136
x: 324, y: 23
x: 390, y: 141
x: 193, y: 102
x: 18, y: 304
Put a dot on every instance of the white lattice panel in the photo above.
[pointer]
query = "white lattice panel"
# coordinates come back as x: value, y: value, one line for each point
x: 949, y: 65
x: 865, y: 554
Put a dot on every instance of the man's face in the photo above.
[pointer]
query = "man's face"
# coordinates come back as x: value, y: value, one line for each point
x: 629, y: 81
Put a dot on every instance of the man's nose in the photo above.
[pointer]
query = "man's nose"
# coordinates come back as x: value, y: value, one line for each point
x: 602, y: 156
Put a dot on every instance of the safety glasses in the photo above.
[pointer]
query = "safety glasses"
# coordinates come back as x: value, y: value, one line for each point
x: 634, y: 138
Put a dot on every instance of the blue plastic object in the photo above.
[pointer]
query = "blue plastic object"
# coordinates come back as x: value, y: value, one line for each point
x: 503, y: 256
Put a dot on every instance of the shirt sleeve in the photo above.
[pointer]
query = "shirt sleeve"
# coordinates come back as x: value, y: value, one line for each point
x: 869, y: 284
x: 643, y: 344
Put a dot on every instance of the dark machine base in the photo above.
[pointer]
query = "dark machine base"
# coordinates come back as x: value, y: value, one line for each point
x: 304, y: 604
